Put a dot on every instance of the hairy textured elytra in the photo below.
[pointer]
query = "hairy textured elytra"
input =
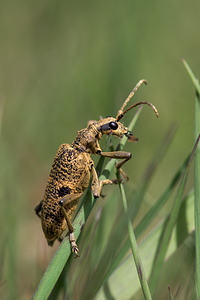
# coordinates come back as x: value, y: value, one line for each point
x: 71, y: 171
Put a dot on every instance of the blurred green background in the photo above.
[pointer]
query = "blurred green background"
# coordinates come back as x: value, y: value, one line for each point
x: 63, y: 63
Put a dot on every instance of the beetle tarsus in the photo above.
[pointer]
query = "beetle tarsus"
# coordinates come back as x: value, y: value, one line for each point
x: 74, y: 246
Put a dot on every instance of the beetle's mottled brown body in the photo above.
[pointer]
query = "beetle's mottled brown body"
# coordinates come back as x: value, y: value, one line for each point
x: 70, y: 174
x: 71, y: 171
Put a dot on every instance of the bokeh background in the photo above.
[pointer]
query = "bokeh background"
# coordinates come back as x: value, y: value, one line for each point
x: 64, y: 63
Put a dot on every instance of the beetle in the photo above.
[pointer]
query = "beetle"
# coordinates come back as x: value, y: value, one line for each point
x: 71, y: 171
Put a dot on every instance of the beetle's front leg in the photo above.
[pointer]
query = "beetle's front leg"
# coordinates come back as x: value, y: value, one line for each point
x: 118, y: 155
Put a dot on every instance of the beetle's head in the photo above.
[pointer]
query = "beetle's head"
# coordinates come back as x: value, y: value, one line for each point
x: 110, y: 125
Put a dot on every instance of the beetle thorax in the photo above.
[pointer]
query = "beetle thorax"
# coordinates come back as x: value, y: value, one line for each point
x: 87, y: 139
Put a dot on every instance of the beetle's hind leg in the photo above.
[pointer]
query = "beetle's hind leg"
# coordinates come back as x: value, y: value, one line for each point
x: 63, y: 202
x: 72, y: 239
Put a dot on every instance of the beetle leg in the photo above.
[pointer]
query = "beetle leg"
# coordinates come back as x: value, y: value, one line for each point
x: 98, y: 184
x: 63, y: 202
x: 123, y: 174
x: 69, y: 198
x: 118, y: 155
x: 38, y: 209
x: 74, y: 246
x: 72, y: 239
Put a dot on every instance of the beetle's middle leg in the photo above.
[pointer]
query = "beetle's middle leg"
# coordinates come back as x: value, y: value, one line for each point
x: 98, y: 184
x: 63, y: 202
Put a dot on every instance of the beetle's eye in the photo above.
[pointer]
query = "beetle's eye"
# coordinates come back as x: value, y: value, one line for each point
x: 113, y: 125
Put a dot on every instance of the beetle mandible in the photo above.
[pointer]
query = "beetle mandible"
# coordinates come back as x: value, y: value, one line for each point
x: 71, y: 171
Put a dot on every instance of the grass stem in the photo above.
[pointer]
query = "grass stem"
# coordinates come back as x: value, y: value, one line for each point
x: 135, y: 250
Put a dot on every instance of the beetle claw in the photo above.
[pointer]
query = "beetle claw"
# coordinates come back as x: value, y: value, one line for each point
x: 75, y: 251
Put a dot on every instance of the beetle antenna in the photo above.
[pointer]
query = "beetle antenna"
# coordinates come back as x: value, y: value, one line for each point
x: 129, y: 97
x: 121, y: 111
x: 136, y: 104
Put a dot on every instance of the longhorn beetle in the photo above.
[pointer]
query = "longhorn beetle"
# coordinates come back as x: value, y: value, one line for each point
x: 71, y: 170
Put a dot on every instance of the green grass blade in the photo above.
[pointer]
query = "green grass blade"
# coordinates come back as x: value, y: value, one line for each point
x: 197, y: 193
x: 170, y: 294
x: 163, y: 245
x: 196, y: 176
x: 192, y: 76
x: 135, y: 250
x: 151, y: 214
x: 178, y: 272
x: 182, y: 230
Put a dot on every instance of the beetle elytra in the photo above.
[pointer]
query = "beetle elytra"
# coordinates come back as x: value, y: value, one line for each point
x: 71, y: 171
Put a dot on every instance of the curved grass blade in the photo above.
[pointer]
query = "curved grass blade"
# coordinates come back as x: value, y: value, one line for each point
x: 162, y: 247
x: 182, y: 230
x: 196, y: 176
x: 192, y: 76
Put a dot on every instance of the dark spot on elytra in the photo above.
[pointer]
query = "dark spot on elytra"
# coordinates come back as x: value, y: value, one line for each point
x: 64, y: 190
